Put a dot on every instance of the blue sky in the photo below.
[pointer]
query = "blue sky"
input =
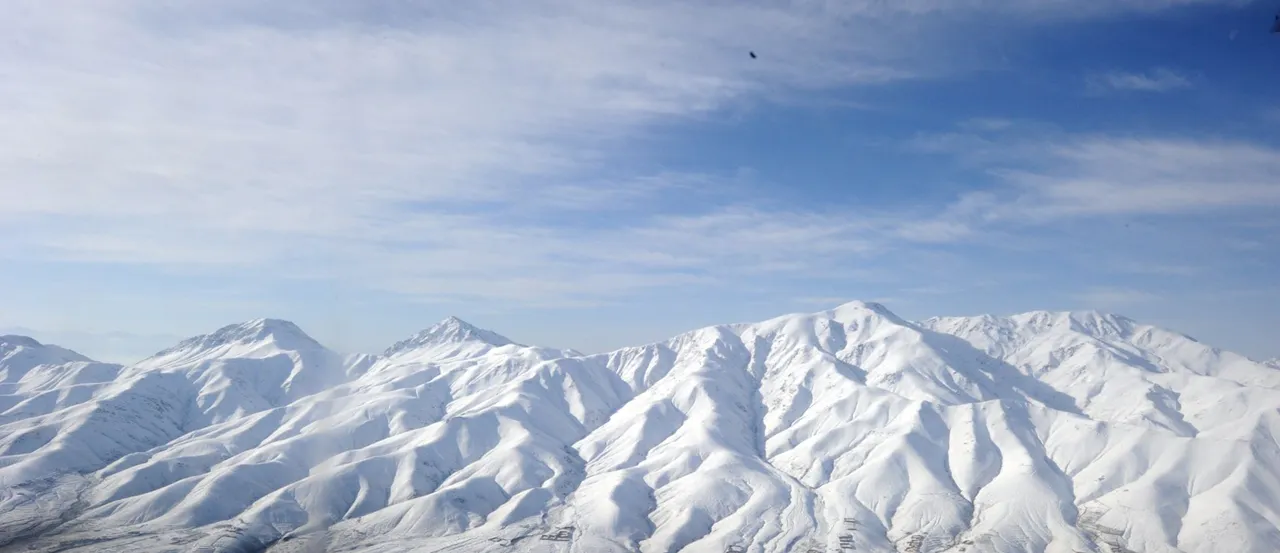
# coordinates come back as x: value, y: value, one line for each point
x: 597, y: 174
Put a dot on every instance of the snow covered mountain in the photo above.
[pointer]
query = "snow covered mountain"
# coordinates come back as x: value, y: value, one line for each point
x: 38, y: 379
x: 20, y: 354
x: 845, y: 430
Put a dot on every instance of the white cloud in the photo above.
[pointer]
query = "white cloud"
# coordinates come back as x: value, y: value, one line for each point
x: 1159, y: 269
x: 1246, y: 245
x: 1113, y: 297
x: 1107, y: 175
x: 980, y: 124
x: 446, y: 140
x: 1156, y: 80
x: 823, y: 301
x: 935, y: 231
x: 431, y: 148
x: 1055, y: 175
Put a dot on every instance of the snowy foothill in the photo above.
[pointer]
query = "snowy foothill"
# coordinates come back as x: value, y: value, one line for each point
x: 844, y: 430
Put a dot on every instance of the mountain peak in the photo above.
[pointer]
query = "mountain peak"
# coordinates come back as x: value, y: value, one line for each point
x: 283, y: 333
x: 860, y: 310
x: 19, y: 354
x: 451, y: 330
x: 859, y: 305
x: 454, y: 322
x: 14, y: 340
x: 11, y: 344
x: 260, y: 329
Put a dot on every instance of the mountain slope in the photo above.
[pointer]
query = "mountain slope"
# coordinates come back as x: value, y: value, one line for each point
x: 1198, y: 490
x: 849, y: 429
x: 139, y: 412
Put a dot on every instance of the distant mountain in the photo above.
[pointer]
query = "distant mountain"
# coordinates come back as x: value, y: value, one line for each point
x: 20, y: 354
x: 37, y: 379
x: 848, y: 429
x: 109, y: 346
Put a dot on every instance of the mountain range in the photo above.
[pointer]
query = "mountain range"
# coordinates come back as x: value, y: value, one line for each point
x: 850, y: 429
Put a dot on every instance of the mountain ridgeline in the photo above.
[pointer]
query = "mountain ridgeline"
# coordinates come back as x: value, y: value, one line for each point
x: 844, y: 430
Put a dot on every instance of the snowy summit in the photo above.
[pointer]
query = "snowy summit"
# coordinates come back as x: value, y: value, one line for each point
x: 20, y: 354
x: 452, y: 330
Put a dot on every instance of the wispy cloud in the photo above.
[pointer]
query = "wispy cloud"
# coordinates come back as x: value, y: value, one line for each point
x: 823, y: 301
x: 1056, y: 175
x: 1114, y: 297
x: 1155, y: 80
x: 1246, y: 245
x: 440, y: 150
x: 1160, y: 269
x: 462, y: 147
x: 1092, y: 175
x: 980, y: 124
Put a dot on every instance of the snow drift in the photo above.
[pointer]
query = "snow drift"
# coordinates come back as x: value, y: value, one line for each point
x: 845, y: 430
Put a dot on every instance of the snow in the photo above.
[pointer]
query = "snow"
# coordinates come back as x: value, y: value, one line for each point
x: 20, y: 354
x: 849, y: 428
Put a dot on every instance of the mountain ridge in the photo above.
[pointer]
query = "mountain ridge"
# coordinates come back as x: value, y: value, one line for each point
x: 454, y: 329
x: 1044, y: 431
x: 20, y: 354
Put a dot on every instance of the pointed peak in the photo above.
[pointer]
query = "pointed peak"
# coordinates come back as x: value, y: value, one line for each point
x: 272, y: 325
x: 452, y: 322
x: 451, y: 330
x: 864, y: 309
x: 285, y: 334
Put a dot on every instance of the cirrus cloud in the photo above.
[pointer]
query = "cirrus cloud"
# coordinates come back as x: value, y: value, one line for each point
x: 1160, y: 79
x: 440, y: 149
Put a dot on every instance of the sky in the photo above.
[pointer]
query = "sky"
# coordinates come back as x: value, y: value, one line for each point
x: 595, y: 174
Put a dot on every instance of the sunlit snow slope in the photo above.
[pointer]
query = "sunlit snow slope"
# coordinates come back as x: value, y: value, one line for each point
x: 846, y: 430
